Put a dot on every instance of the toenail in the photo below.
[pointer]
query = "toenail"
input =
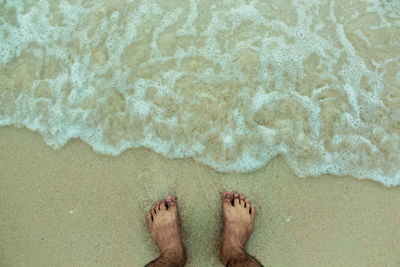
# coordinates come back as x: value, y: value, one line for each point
x: 228, y: 195
x: 169, y: 199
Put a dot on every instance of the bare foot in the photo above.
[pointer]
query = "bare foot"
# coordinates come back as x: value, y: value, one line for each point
x: 164, y: 224
x: 238, y: 219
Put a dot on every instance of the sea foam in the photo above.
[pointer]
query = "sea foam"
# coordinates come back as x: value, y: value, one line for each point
x: 231, y: 84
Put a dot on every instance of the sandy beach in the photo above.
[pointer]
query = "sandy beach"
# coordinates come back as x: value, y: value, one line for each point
x: 305, y: 87
x: 75, y: 207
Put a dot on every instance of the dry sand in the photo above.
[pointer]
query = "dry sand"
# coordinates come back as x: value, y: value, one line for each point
x: 75, y: 207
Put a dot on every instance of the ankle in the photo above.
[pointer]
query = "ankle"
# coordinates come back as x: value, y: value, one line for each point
x: 177, y: 256
x: 230, y: 252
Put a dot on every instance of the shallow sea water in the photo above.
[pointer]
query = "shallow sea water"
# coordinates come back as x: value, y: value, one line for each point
x: 231, y: 84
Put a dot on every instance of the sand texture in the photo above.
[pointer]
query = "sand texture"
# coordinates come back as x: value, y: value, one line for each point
x: 75, y: 207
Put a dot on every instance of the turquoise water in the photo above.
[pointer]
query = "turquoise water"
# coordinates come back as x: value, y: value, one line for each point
x: 231, y: 84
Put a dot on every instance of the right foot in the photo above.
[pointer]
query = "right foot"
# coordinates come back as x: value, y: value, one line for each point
x: 238, y: 219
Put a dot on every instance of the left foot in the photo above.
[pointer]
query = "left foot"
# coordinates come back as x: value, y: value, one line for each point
x: 164, y: 224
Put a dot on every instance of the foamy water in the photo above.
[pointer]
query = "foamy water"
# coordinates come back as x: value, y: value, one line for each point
x: 231, y: 84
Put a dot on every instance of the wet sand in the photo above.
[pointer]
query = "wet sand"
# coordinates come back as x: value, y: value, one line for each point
x: 75, y: 207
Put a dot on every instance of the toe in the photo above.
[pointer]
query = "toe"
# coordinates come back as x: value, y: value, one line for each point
x: 153, y: 211
x: 241, y: 200
x: 149, y: 218
x: 158, y: 206
x: 236, y: 200
x: 252, y: 211
x: 163, y: 205
x: 248, y: 204
x: 171, y: 202
x: 227, y: 198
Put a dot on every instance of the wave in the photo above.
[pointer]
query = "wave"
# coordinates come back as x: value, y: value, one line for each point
x: 231, y: 84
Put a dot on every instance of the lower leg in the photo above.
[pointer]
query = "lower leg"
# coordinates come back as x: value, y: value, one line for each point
x: 168, y: 260
x: 243, y: 259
